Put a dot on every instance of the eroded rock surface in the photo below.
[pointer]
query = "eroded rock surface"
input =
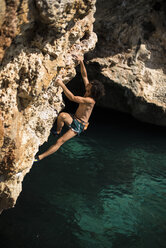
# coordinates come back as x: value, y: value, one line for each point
x: 130, y: 57
x: 37, y: 43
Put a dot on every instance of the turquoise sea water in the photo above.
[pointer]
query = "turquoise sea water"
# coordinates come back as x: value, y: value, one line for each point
x: 104, y: 189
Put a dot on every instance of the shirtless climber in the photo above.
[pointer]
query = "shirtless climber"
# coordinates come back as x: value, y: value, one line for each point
x: 79, y: 122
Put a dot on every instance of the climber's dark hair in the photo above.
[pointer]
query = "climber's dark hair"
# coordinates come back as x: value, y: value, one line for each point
x: 97, y: 90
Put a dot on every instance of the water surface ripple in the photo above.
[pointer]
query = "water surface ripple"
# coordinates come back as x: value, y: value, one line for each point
x: 104, y: 189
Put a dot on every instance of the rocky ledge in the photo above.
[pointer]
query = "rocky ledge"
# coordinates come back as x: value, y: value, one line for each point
x: 130, y: 57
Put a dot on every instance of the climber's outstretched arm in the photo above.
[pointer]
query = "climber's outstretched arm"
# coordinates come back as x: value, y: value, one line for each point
x: 71, y: 96
x: 83, y: 70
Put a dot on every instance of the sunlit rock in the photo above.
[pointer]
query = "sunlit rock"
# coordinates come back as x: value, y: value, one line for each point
x: 37, y: 42
x: 130, y: 57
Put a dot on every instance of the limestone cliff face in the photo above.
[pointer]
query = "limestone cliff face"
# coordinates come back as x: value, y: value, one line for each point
x: 130, y: 57
x: 37, y: 41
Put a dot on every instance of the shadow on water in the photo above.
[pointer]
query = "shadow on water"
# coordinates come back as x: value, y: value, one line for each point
x: 36, y: 222
x: 103, y: 189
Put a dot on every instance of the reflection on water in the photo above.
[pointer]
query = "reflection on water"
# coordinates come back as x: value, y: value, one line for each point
x: 104, y: 189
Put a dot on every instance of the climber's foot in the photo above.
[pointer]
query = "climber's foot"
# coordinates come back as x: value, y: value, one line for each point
x: 54, y: 132
x: 36, y: 159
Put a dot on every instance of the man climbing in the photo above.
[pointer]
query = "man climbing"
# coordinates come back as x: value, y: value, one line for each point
x: 79, y: 121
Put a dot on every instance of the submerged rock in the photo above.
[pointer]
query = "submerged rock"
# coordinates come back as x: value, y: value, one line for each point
x: 37, y: 43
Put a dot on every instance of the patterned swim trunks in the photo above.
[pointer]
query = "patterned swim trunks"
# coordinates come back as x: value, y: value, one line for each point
x: 77, y: 126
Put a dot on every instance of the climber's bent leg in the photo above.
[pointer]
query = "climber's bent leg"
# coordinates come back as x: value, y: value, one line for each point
x: 68, y: 135
x: 63, y: 118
